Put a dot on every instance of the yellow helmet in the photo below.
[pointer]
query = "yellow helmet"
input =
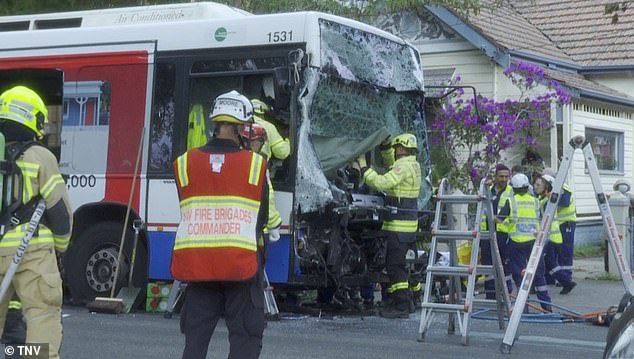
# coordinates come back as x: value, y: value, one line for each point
x: 232, y: 107
x: 259, y: 107
x: 406, y: 140
x: 22, y: 105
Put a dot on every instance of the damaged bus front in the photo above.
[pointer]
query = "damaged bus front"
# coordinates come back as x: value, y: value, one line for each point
x: 355, y: 90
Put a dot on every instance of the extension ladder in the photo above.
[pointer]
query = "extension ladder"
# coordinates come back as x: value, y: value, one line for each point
x: 577, y: 142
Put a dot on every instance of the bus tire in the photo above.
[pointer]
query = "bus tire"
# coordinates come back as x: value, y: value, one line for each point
x: 89, y: 263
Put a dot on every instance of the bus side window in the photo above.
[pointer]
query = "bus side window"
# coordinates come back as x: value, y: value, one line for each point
x: 162, y: 122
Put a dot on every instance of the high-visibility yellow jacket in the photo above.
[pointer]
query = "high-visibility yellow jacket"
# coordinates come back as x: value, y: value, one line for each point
x: 41, y: 177
x: 196, y: 129
x: 402, y: 184
x: 567, y: 213
x: 503, y: 197
x: 275, y: 145
x: 554, y: 233
x: 523, y: 221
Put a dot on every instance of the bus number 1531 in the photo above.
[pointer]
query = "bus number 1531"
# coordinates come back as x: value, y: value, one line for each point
x: 280, y: 36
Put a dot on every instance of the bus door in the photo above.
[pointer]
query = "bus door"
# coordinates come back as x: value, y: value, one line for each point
x: 186, y: 86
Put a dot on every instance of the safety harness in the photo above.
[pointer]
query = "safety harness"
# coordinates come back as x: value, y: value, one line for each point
x: 16, y: 212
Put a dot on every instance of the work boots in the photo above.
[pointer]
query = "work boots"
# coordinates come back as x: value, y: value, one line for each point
x: 414, y: 301
x: 418, y: 304
x: 398, y: 308
x: 568, y: 288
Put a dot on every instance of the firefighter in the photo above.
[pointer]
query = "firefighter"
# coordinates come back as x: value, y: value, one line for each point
x: 256, y: 136
x: 224, y: 207
x: 37, y: 281
x: 402, y: 184
x: 521, y: 213
x: 275, y: 145
x: 552, y: 250
x: 499, y: 192
x: 567, y: 215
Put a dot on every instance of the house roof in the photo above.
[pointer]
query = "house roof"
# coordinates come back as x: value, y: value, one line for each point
x: 581, y: 29
x: 506, y: 27
x: 572, y: 35
x: 587, y: 88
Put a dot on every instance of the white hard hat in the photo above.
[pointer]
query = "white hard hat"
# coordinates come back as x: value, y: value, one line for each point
x: 550, y: 179
x: 519, y: 181
x: 232, y: 107
x: 549, y: 171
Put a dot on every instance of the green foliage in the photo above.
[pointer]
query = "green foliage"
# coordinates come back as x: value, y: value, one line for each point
x: 589, y: 250
x: 608, y: 276
x: 358, y: 9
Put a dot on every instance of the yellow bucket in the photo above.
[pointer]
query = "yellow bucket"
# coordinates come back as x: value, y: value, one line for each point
x: 464, y: 252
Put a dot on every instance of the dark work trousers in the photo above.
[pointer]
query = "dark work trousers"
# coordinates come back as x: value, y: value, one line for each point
x: 519, y: 254
x: 552, y: 255
x: 14, y: 330
x: 415, y: 278
x: 567, y: 247
x: 486, y: 259
x: 241, y: 304
x: 397, y: 267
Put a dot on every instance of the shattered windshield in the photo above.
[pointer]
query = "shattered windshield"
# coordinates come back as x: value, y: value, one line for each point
x: 360, y: 56
x: 340, y: 121
x: 351, y: 104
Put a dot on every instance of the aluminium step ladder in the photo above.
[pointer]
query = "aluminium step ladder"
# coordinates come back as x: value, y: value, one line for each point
x: 577, y: 142
x: 457, y: 304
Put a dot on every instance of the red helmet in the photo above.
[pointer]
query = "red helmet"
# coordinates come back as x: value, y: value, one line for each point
x: 253, y: 131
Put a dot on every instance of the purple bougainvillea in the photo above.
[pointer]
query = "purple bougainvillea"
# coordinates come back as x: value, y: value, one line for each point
x: 457, y: 129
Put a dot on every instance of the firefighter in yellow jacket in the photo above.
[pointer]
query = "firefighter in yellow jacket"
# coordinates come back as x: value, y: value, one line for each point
x: 275, y: 145
x: 37, y: 280
x: 402, y: 184
x: 255, y: 135
x: 224, y: 206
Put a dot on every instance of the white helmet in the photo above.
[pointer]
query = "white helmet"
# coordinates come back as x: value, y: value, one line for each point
x: 549, y: 171
x: 549, y: 179
x: 519, y: 181
x: 232, y: 107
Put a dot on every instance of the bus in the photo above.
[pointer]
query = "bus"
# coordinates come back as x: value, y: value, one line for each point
x: 132, y: 76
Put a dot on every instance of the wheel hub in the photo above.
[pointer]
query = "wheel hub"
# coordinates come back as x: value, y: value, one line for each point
x: 101, y: 268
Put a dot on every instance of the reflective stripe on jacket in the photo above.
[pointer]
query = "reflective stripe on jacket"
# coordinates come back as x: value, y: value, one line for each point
x: 275, y: 145
x: 402, y: 184
x: 41, y: 177
x: 567, y: 213
x: 220, y: 197
x: 555, y: 233
x: 524, y: 217
x: 504, y: 196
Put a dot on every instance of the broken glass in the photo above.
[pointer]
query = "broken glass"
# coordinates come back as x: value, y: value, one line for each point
x: 341, y: 120
x: 368, y: 88
x: 360, y: 56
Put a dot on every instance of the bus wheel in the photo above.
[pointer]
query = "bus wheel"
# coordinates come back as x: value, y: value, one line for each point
x: 91, y: 262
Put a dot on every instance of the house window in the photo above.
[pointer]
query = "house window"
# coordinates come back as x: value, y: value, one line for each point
x: 607, y: 147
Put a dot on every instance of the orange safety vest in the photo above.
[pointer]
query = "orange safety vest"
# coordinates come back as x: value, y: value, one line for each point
x: 220, y: 195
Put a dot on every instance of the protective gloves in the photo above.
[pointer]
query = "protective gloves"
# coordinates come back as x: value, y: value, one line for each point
x: 274, y: 234
x: 362, y: 162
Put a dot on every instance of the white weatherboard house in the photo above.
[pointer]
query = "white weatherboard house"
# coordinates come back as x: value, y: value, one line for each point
x: 577, y: 45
